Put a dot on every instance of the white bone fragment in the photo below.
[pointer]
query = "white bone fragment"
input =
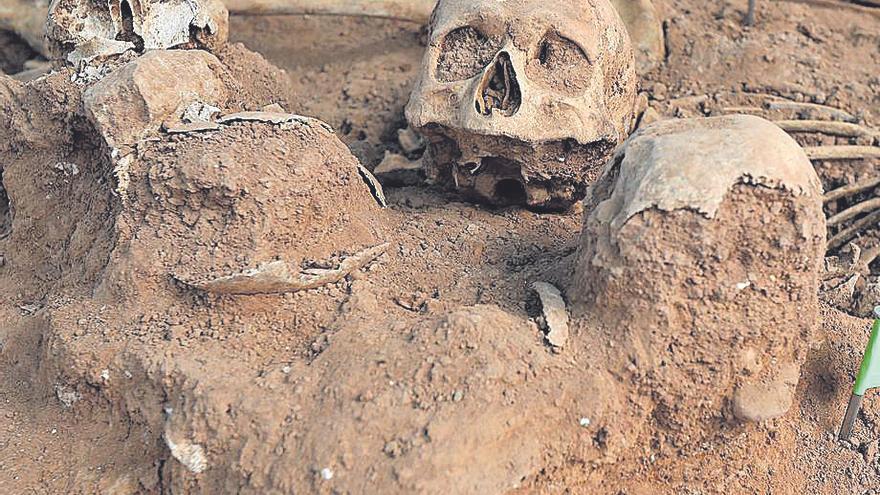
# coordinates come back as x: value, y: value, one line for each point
x: 555, y: 313
x: 374, y: 184
x: 277, y: 276
x: 276, y: 118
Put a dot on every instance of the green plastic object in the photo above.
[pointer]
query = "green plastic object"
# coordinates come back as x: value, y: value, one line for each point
x: 869, y: 373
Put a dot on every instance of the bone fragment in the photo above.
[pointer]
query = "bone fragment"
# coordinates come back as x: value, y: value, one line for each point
x: 854, y: 211
x: 853, y: 230
x: 842, y: 295
x: 833, y: 128
x: 191, y: 455
x: 811, y: 109
x: 276, y: 276
x: 849, y: 190
x: 399, y: 170
x: 555, y: 313
x: 410, y: 141
x: 191, y: 127
x: 407, y: 10
x: 276, y: 118
x: 844, y: 264
x: 374, y: 184
x: 842, y: 152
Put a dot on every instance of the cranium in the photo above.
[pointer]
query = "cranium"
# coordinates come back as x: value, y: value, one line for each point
x: 523, y: 100
x: 84, y: 29
x: 708, y: 236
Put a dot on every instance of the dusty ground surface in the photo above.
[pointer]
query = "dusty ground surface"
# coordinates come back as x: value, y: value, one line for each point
x: 82, y: 382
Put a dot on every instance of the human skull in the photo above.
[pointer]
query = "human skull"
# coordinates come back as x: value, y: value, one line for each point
x: 702, y: 248
x: 523, y: 100
x: 84, y: 29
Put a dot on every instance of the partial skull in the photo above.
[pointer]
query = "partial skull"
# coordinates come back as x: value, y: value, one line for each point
x: 701, y: 256
x: 84, y: 29
x: 522, y: 101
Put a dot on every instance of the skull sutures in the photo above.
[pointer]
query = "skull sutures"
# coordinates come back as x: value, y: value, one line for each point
x: 522, y: 101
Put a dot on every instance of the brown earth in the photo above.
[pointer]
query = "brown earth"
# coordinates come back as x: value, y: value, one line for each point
x: 432, y: 353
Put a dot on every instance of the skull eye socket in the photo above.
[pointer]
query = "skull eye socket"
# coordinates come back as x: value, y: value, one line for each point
x: 560, y: 64
x: 464, y: 52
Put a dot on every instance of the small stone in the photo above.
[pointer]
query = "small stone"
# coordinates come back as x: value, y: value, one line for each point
x: 757, y: 402
x: 659, y: 91
x: 457, y: 396
x: 585, y: 422
x: 327, y: 474
x: 392, y: 449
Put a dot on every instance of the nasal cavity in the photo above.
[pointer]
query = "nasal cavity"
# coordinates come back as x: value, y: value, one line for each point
x: 499, y: 90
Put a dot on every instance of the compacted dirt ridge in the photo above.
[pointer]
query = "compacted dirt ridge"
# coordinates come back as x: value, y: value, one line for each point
x: 426, y: 369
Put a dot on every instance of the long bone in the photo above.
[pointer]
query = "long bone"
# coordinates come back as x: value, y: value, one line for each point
x: 407, y: 10
x: 27, y: 18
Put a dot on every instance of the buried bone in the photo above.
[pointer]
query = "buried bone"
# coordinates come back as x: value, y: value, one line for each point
x: 686, y: 209
x: 274, y: 117
x: 277, y: 277
x: 127, y: 105
x: 555, y: 315
x: 523, y: 113
x: 80, y: 30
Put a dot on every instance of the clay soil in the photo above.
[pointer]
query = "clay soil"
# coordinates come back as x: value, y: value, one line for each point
x: 72, y: 435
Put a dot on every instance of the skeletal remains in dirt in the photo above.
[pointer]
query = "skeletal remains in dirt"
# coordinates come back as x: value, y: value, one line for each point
x: 83, y: 29
x: 697, y: 263
x: 523, y: 101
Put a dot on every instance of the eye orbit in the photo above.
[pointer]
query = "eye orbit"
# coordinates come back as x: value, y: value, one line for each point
x: 464, y: 52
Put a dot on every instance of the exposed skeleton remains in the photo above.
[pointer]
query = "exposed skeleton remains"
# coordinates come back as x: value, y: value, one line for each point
x: 672, y: 249
x: 522, y: 101
x: 79, y: 30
